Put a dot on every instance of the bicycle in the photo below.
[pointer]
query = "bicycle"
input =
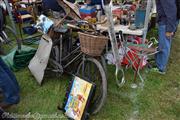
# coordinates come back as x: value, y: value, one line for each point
x: 92, y: 66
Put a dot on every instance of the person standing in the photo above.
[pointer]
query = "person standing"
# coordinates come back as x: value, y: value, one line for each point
x: 167, y: 23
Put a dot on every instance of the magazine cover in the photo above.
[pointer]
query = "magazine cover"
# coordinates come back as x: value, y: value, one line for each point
x: 77, y: 99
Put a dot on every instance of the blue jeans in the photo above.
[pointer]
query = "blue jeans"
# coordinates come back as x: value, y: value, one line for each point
x: 8, y: 84
x: 164, y: 47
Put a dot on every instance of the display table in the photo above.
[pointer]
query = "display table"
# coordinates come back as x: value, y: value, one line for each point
x: 124, y: 29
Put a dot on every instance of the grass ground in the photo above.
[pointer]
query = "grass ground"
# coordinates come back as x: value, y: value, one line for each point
x: 158, y: 100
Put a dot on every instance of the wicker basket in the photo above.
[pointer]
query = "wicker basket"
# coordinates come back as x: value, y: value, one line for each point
x: 91, y: 44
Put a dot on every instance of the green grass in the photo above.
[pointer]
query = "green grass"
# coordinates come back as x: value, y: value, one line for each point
x: 158, y: 100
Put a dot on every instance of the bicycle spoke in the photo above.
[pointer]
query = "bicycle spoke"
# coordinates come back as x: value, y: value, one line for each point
x: 93, y: 71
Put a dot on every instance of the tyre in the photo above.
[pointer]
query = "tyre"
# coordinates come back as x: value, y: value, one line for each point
x: 9, y: 34
x: 92, y: 70
x: 9, y: 39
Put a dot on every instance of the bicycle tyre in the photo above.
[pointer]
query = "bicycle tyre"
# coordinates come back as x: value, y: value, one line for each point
x: 99, y: 98
x: 10, y: 38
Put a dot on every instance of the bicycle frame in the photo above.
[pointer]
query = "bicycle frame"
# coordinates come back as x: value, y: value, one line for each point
x: 70, y: 51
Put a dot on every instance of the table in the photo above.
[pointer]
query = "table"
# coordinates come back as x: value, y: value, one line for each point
x: 123, y: 28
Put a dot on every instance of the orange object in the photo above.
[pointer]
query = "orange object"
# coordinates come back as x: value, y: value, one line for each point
x: 132, y: 58
x: 118, y: 12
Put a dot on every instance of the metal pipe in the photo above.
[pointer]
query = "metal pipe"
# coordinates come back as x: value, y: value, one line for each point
x: 10, y: 15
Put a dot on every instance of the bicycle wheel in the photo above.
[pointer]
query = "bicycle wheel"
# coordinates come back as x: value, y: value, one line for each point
x: 103, y: 61
x: 92, y: 70
x: 10, y: 39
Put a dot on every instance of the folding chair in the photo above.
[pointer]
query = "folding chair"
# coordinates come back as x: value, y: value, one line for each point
x: 136, y: 52
x: 23, y: 13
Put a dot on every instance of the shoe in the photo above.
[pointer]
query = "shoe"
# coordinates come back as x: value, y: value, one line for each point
x: 4, y: 105
x: 156, y: 70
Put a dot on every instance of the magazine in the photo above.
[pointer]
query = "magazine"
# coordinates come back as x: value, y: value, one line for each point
x: 78, y: 98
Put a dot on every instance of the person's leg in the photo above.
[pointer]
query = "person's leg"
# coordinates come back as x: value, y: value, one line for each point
x: 10, y: 74
x: 9, y: 89
x: 164, y: 46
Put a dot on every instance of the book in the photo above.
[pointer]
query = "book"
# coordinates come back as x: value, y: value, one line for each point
x: 79, y: 95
